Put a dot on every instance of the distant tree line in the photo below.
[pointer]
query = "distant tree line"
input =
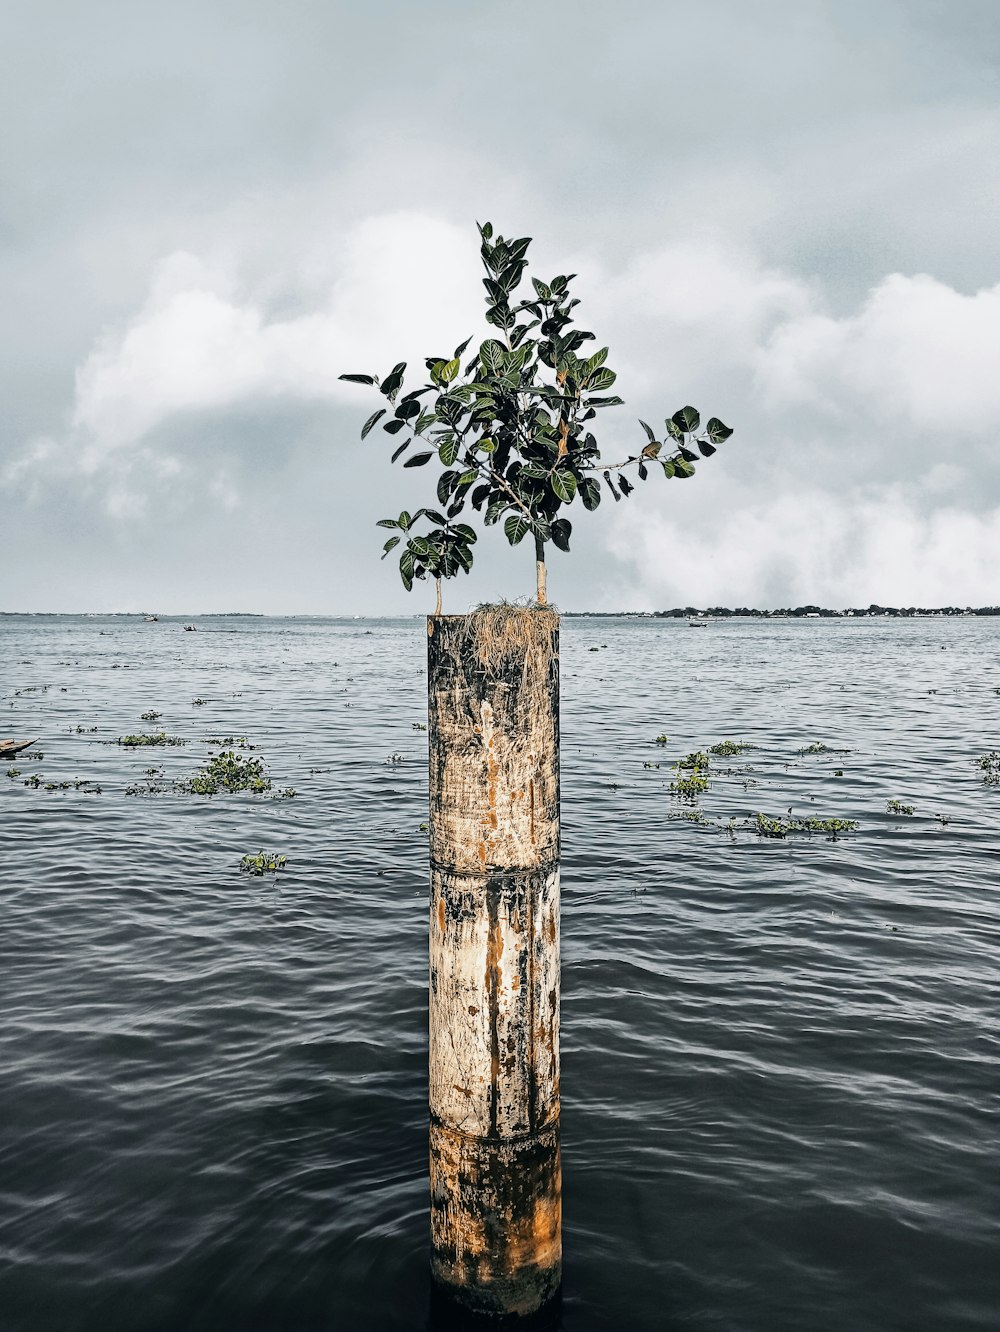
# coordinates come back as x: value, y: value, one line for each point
x: 802, y: 612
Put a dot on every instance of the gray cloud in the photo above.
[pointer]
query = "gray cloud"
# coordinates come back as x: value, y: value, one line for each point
x: 208, y: 212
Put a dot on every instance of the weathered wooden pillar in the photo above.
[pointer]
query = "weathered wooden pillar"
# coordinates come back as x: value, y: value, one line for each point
x: 493, y: 685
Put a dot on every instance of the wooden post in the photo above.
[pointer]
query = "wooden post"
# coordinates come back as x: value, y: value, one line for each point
x: 493, y: 686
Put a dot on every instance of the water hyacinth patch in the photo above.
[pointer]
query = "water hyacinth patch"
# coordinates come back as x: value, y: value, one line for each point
x: 228, y: 772
x: 160, y: 738
x: 897, y: 807
x: 264, y: 862
x: 726, y: 748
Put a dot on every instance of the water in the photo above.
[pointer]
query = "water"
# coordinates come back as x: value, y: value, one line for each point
x: 779, y: 1057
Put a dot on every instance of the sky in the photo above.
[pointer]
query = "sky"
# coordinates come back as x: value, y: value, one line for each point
x: 782, y: 212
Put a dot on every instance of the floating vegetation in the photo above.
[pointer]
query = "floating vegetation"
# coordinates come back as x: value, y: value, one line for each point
x: 264, y: 862
x: 198, y: 702
x: 818, y: 747
x: 661, y: 740
x: 240, y: 741
x: 394, y: 758
x: 691, y: 816
x: 150, y: 716
x: 765, y: 826
x: 897, y: 807
x: 227, y: 772
x: 13, y: 772
x: 33, y: 781
x: 420, y: 726
x: 726, y: 748
x: 160, y: 738
x: 690, y: 788
x: 838, y: 772
x: 989, y: 764
x: 698, y: 761
x: 650, y: 765
x: 287, y: 794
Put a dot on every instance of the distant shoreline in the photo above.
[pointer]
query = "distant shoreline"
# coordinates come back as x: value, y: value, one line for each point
x: 800, y: 612
x: 677, y: 613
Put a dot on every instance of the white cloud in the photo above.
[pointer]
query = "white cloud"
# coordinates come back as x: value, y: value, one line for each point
x: 805, y: 546
x: 917, y: 352
x: 199, y: 343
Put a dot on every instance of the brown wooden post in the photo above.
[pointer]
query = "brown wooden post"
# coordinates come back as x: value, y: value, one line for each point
x: 493, y: 728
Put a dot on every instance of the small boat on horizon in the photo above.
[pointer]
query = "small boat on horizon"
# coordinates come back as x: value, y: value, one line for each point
x: 697, y: 624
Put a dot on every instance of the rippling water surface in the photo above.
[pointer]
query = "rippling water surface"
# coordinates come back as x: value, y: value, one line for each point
x: 780, y: 1057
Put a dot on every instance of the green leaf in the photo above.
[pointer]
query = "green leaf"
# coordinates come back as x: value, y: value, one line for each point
x: 467, y: 478
x: 434, y: 516
x: 485, y: 230
x: 564, y: 485
x: 682, y: 468
x: 445, y: 485
x: 402, y: 449
x: 495, y: 510
x: 394, y: 427
x: 372, y: 421
x: 606, y: 402
x: 393, y: 381
x: 602, y: 378
x: 358, y: 379
x: 561, y: 530
x: 450, y: 370
x: 590, y: 492
x: 418, y: 460
x: 717, y: 432
x: 668, y: 468
x: 515, y: 528
x: 448, y: 449
x: 649, y: 432
x: 492, y: 354
x: 625, y: 485
x: 464, y: 556
x: 706, y: 450
x: 406, y: 569
x: 387, y: 522
x: 543, y: 292
x: 674, y: 430
x: 404, y: 520
x: 464, y: 530
x: 390, y: 544
x: 687, y: 419
x: 461, y: 347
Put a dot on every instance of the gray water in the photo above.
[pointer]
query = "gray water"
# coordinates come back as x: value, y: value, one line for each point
x: 779, y: 1073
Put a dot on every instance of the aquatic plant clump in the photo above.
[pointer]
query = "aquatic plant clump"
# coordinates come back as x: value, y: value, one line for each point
x: 818, y: 747
x: 227, y: 772
x: 160, y: 738
x: 698, y: 761
x: 765, y: 826
x: 691, y: 787
x: 989, y: 765
x: 897, y: 807
x: 726, y: 748
x: 264, y: 862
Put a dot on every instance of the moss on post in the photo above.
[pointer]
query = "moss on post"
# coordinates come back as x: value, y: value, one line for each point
x: 493, y: 686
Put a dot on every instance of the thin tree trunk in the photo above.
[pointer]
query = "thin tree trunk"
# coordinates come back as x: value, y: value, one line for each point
x: 540, y: 571
x: 437, y: 608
